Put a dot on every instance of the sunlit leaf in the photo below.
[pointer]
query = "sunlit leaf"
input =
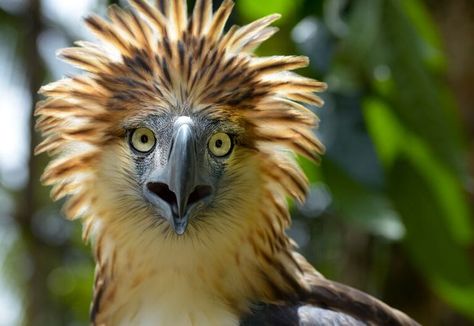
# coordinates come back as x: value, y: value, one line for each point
x: 252, y: 10
x: 392, y: 139
x: 461, y: 297
x: 384, y: 129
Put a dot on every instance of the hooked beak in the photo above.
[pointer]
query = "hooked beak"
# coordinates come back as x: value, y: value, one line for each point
x: 178, y: 188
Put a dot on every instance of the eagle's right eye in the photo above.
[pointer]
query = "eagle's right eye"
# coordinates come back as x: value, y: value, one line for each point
x: 143, y: 140
x: 220, y: 144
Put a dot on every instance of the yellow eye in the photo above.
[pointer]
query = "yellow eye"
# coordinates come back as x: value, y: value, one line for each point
x: 220, y: 144
x: 143, y: 140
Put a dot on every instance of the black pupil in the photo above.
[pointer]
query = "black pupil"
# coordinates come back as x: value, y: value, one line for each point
x: 219, y: 143
x: 144, y: 139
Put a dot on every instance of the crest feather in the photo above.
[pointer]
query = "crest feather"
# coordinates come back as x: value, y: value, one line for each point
x: 252, y: 31
x: 220, y: 18
x: 202, y: 15
x: 154, y: 15
x: 178, y: 15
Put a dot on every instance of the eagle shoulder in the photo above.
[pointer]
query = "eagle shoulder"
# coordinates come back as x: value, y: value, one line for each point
x: 297, y: 315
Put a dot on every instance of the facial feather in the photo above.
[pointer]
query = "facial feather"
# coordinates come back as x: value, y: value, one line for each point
x: 213, y: 259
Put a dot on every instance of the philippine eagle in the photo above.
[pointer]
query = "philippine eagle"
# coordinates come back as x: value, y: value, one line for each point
x: 175, y: 146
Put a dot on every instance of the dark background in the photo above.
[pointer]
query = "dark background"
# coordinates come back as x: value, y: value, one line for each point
x: 391, y: 205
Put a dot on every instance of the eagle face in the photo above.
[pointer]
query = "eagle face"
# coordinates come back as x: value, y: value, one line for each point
x: 180, y: 163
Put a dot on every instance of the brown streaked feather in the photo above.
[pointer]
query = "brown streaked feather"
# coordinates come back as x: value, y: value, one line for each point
x: 155, y: 16
x: 306, y: 151
x: 249, y: 31
x: 49, y: 145
x: 249, y: 44
x: 275, y: 64
x: 289, y: 83
x: 309, y: 138
x: 120, y: 18
x: 142, y: 35
x: 107, y: 33
x: 290, y: 177
x: 87, y: 224
x: 228, y: 37
x: 163, y: 6
x: 61, y: 190
x: 291, y: 140
x: 66, y: 167
x: 220, y: 18
x: 84, y: 59
x: 279, y: 203
x: 100, y: 285
x: 308, y: 98
x: 44, y: 121
x: 75, y: 205
x: 179, y: 16
x: 82, y: 134
x: 202, y: 15
x: 280, y: 103
x: 76, y: 87
x: 282, y: 116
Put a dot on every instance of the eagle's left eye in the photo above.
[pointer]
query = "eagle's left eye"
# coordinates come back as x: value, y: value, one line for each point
x: 143, y: 140
x: 220, y: 144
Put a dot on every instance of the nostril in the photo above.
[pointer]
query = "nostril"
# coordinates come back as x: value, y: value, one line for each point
x: 199, y: 193
x: 163, y: 191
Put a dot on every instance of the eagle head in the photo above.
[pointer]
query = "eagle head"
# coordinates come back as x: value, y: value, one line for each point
x: 174, y: 125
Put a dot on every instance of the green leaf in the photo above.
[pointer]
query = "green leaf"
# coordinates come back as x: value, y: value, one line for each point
x: 435, y: 252
x: 311, y: 169
x: 460, y: 296
x: 447, y: 189
x: 385, y: 129
x: 431, y: 46
x: 392, y: 139
x: 417, y: 98
x: 360, y: 206
x: 365, y: 22
x: 253, y: 10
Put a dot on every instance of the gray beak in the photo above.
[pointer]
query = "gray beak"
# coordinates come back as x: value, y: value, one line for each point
x: 178, y: 188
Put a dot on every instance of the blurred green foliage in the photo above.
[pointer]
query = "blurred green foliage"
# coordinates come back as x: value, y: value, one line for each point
x: 388, y: 210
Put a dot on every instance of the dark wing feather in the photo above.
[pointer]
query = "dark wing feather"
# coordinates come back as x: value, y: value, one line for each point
x: 297, y: 315
x: 340, y: 297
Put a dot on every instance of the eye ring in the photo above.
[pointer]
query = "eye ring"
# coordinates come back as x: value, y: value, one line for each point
x: 142, y: 140
x: 220, y: 144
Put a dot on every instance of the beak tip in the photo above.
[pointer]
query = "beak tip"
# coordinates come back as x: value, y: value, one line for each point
x: 180, y: 225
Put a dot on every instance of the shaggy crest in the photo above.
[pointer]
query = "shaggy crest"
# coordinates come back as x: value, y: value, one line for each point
x: 157, y: 59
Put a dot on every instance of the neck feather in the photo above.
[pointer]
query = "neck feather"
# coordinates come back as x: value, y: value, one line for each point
x: 222, y: 271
